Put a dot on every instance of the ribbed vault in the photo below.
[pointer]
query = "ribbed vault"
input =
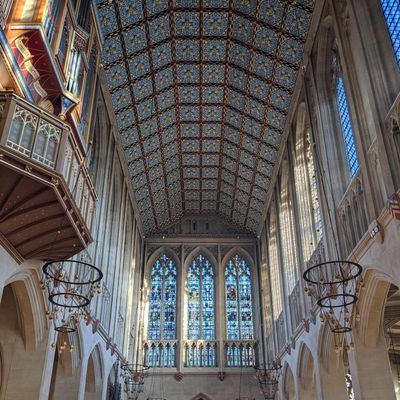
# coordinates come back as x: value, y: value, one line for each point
x: 201, y: 89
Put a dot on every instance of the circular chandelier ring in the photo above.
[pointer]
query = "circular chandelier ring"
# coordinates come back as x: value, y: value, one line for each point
x: 48, y: 274
x: 64, y: 329
x: 74, y: 296
x: 307, y: 273
x: 327, y: 301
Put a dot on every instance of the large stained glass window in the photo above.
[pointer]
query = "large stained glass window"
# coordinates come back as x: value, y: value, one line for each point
x: 162, y: 307
x: 391, y: 11
x: 200, y: 286
x: 347, y: 130
x: 201, y: 314
x: 238, y: 299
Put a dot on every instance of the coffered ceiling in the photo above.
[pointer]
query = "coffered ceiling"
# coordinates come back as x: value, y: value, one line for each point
x: 201, y: 89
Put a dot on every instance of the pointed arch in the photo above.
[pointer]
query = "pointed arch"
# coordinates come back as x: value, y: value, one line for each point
x: 288, y: 383
x: 29, y: 297
x: 94, y: 375
x: 306, y: 367
x: 200, y: 285
x: 201, y: 396
x: 162, y: 293
x: 195, y: 252
x: 239, y: 250
x: 372, y: 304
x: 157, y: 254
x: 238, y: 297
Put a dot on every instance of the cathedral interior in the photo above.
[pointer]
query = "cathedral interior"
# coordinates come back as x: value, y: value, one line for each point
x: 199, y: 199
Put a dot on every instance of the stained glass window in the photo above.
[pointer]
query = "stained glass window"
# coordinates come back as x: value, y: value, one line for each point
x: 200, y: 286
x: 239, y: 313
x: 201, y: 313
x: 347, y: 130
x: 162, y: 308
x: 391, y: 11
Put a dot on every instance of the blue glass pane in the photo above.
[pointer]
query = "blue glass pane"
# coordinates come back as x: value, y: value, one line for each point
x: 391, y: 11
x: 347, y: 129
x: 162, y: 308
x: 246, y: 312
x: 193, y: 302
x: 239, y: 313
x: 169, y: 301
x: 154, y: 331
x: 207, y: 300
x: 200, y: 285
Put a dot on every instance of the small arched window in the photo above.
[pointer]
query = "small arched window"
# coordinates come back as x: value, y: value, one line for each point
x: 238, y: 299
x: 200, y: 302
x: 162, y: 307
x: 391, y: 11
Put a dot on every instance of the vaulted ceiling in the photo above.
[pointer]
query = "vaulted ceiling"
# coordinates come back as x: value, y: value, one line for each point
x: 201, y: 89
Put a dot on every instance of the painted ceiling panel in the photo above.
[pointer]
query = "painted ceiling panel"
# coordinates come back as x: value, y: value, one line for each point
x: 201, y: 89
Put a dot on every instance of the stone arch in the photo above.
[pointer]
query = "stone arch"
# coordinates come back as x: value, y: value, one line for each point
x: 288, y: 383
x: 113, y: 386
x: 238, y: 250
x: 201, y: 396
x: 326, y: 347
x: 21, y: 352
x: 158, y: 253
x: 66, y: 369
x: 306, y: 373
x: 326, y: 40
x: 29, y: 296
x: 372, y: 304
x: 94, y: 375
x: 194, y: 253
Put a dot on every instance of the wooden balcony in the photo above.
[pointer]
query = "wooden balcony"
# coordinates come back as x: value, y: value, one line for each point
x: 47, y: 198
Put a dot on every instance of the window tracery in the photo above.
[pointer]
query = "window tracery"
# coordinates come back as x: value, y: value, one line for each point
x: 200, y: 286
x: 238, y: 302
x: 200, y: 348
x: 162, y: 314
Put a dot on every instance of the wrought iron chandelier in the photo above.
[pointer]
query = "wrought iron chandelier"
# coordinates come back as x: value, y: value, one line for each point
x: 268, y: 379
x: 134, y: 376
x: 70, y: 285
x: 335, y: 286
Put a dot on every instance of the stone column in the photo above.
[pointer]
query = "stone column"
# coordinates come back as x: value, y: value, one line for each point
x: 333, y: 382
x: 370, y: 370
